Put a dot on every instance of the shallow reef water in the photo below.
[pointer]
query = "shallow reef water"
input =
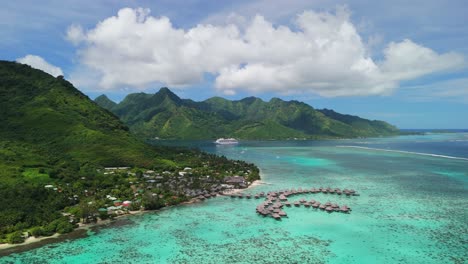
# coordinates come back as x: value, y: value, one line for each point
x: 412, y: 208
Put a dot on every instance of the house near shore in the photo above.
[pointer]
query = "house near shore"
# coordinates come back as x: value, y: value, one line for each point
x: 237, y: 181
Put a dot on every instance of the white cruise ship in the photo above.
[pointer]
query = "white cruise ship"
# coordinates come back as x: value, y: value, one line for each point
x: 226, y: 141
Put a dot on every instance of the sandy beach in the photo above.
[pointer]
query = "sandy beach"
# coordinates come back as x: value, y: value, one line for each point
x: 254, y: 184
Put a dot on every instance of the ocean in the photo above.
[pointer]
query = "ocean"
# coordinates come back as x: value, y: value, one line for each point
x: 412, y: 208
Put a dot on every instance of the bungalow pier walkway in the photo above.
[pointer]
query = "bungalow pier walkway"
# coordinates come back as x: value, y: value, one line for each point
x: 275, y: 200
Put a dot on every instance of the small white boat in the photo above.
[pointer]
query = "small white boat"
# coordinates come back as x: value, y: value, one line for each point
x: 226, y: 141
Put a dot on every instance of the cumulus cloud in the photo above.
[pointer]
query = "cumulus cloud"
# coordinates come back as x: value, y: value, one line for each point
x: 40, y: 64
x: 321, y: 53
x: 407, y: 60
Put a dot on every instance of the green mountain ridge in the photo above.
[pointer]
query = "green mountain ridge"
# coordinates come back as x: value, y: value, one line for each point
x: 165, y: 115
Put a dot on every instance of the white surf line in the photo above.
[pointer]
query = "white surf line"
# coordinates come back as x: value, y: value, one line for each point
x: 406, y: 152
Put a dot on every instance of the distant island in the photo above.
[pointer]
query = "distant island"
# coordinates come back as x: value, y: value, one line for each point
x: 66, y: 161
x: 164, y: 115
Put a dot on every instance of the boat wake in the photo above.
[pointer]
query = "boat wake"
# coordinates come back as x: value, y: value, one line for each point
x: 406, y: 152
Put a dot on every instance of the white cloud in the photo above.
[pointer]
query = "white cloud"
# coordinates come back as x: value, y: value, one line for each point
x: 40, y: 64
x: 322, y: 54
x: 75, y: 34
x: 407, y: 60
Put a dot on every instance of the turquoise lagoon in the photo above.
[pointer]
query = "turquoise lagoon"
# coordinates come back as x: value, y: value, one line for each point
x: 412, y: 208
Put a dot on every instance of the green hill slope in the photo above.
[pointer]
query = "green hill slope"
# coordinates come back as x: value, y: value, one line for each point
x: 165, y: 115
x: 56, y: 121
x: 52, y: 135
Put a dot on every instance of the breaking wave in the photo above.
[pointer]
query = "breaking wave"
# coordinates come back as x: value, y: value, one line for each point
x: 406, y: 152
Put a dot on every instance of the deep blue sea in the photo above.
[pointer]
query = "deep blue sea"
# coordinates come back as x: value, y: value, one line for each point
x: 412, y: 208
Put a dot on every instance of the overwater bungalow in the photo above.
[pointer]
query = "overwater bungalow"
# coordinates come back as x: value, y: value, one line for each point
x: 307, y: 204
x: 315, y: 205
x: 322, y: 207
x: 344, y: 209
x: 329, y: 209
x: 276, y: 216
x: 256, y: 196
x: 297, y: 204
x: 248, y: 196
x: 302, y: 200
x: 282, y: 213
x: 288, y: 204
x: 328, y: 203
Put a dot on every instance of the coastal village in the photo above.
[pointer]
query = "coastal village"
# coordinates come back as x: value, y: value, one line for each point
x: 154, y: 190
x: 142, y: 189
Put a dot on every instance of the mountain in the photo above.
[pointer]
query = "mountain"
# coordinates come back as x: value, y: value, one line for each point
x: 165, y: 115
x: 104, y: 102
x: 55, y: 143
x: 56, y: 123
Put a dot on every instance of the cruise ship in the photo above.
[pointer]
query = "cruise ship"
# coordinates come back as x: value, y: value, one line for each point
x: 226, y: 141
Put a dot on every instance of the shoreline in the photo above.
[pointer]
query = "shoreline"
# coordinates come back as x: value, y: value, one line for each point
x: 82, y: 230
x: 252, y: 185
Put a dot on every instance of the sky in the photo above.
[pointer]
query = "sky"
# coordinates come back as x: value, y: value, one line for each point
x: 404, y: 62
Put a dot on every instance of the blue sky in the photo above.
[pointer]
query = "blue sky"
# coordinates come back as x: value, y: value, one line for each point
x: 401, y: 62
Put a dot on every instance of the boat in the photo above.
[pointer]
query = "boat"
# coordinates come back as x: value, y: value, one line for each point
x: 226, y: 141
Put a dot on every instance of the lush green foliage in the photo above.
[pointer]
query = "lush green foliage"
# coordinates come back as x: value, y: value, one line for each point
x: 52, y: 134
x: 165, y: 115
